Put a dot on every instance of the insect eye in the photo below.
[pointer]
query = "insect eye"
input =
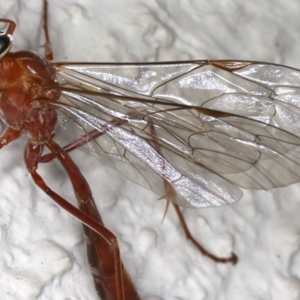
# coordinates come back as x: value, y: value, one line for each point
x: 5, y: 44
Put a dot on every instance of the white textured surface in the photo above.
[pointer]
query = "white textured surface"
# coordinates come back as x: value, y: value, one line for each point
x: 41, y: 248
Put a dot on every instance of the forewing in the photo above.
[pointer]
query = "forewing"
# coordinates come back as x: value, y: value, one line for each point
x: 195, y: 128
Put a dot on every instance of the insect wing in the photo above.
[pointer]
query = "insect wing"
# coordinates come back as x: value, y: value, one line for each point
x: 201, y: 128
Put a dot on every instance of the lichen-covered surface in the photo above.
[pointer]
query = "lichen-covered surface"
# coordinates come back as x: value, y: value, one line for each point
x: 42, y: 253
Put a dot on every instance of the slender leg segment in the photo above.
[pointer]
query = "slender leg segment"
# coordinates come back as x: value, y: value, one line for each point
x: 170, y: 194
x: 111, y: 279
x: 48, y: 46
x: 232, y: 259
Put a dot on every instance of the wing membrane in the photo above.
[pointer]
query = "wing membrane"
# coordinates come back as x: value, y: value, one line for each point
x: 201, y: 128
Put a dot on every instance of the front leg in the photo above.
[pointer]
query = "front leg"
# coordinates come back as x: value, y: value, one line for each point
x: 9, y: 135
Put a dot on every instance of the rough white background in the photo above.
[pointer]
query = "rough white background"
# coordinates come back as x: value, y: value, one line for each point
x: 41, y: 247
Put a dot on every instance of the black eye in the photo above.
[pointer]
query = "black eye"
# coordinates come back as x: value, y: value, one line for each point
x: 5, y: 44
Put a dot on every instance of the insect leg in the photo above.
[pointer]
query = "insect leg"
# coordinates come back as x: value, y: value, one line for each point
x: 74, y: 144
x: 11, y: 25
x: 9, y: 135
x: 107, y: 267
x: 232, y: 259
x: 82, y: 140
x: 170, y: 194
x: 47, y: 45
x: 111, y: 279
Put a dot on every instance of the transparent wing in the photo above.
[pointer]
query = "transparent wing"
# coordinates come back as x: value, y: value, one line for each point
x: 191, y: 131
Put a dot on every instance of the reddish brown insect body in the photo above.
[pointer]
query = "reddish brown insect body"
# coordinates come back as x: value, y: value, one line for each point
x: 28, y: 92
x: 29, y: 99
x: 222, y: 128
x: 24, y: 103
